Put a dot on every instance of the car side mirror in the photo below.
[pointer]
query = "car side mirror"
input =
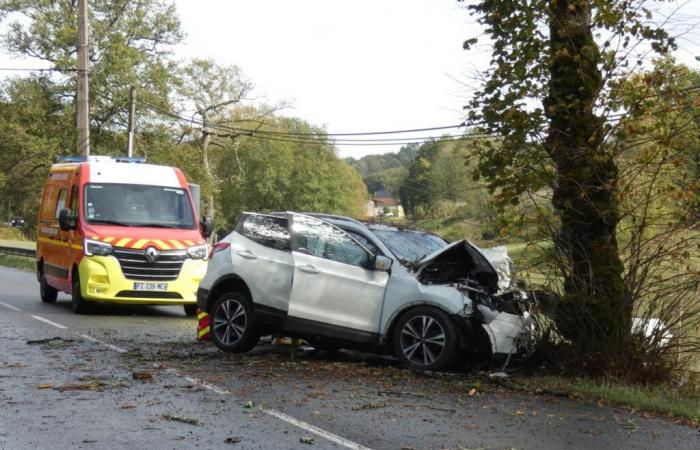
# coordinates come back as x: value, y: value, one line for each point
x: 66, y: 221
x: 382, y: 263
x: 207, y: 226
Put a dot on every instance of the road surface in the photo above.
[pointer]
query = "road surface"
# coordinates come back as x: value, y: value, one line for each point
x: 128, y: 377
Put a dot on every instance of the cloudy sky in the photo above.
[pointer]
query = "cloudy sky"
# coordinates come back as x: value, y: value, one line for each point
x: 355, y: 66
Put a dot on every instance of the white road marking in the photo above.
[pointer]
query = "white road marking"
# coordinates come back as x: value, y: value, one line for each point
x: 53, y: 324
x: 315, y: 430
x: 8, y: 306
x: 106, y: 344
x: 274, y: 413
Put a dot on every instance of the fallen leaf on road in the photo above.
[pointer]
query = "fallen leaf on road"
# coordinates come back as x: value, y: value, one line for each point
x: 128, y: 406
x: 306, y: 440
x: 233, y: 440
x: 181, y: 419
x: 472, y: 392
x: 248, y: 404
x: 44, y: 386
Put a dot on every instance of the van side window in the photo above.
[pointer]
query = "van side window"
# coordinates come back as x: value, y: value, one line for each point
x: 61, y: 203
x: 48, y: 202
x: 74, y: 200
x: 268, y: 231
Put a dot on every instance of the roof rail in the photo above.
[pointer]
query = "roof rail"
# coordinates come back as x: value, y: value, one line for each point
x: 96, y: 158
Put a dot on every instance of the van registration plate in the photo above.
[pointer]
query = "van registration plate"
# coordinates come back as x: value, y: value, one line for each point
x: 140, y: 286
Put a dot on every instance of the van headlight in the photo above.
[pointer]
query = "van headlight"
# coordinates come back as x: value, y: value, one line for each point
x: 97, y: 248
x: 198, y: 251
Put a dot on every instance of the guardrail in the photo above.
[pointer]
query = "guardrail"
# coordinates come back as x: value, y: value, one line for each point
x: 28, y: 252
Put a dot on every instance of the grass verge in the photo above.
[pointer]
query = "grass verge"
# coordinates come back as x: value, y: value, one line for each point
x: 17, y: 262
x: 672, y: 401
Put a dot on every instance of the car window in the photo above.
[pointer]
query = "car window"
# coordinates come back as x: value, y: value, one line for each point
x: 369, y: 245
x: 61, y: 203
x: 317, y: 238
x: 74, y: 200
x: 267, y: 230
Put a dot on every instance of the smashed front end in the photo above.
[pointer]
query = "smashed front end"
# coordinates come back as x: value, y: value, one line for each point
x: 493, y: 301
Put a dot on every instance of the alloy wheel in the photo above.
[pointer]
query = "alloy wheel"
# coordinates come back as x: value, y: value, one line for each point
x: 423, y: 340
x: 230, y: 321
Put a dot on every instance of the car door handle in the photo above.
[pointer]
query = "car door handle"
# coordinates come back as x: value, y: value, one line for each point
x: 308, y: 268
x: 247, y: 254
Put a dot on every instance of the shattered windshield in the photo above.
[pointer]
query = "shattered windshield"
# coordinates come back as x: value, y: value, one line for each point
x: 409, y: 246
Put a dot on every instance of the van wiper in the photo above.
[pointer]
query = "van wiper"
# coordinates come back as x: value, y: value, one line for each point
x: 156, y: 225
x: 110, y: 222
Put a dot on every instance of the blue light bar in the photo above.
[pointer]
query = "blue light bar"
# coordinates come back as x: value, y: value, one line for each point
x: 119, y: 159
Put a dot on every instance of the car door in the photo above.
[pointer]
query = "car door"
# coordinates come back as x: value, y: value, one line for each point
x: 262, y: 257
x: 335, y: 292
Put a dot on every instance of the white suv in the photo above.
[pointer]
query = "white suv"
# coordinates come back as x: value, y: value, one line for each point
x: 334, y: 281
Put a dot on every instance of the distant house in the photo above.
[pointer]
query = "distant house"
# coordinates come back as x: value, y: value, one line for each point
x: 383, y: 204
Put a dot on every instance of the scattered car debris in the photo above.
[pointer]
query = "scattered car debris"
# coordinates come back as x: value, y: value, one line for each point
x: 306, y: 440
x: 48, y: 340
x: 233, y: 440
x: 89, y: 386
x: 248, y: 404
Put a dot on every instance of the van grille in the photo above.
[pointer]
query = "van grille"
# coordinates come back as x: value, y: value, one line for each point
x: 135, y: 266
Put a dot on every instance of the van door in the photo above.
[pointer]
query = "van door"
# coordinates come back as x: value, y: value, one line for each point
x: 335, y: 293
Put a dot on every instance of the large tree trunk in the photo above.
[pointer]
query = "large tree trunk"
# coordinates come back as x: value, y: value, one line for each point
x: 596, y: 309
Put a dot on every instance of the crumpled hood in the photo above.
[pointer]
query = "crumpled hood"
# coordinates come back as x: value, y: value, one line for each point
x: 459, y: 260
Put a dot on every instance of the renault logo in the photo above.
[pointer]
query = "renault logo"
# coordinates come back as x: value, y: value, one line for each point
x: 152, y: 254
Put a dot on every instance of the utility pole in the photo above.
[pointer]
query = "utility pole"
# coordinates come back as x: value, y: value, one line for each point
x: 83, y: 84
x: 132, y: 119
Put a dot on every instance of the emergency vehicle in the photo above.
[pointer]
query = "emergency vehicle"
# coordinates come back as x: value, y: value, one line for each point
x: 119, y: 230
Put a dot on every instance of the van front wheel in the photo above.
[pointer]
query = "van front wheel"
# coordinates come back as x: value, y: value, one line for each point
x: 48, y: 293
x: 79, y: 304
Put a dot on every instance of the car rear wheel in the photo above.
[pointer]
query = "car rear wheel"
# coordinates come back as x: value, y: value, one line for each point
x: 80, y: 306
x: 190, y: 310
x: 232, y: 323
x: 48, y: 293
x: 427, y: 339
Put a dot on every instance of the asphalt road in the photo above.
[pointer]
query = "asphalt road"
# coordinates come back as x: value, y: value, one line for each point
x: 134, y: 377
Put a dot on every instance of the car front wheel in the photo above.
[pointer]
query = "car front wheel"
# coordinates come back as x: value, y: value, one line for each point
x: 427, y: 339
x: 232, y: 323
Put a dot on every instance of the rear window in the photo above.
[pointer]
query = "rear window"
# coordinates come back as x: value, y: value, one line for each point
x: 269, y: 231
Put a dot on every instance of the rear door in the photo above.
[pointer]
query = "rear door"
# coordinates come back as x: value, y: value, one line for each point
x: 261, y: 255
x: 335, y: 292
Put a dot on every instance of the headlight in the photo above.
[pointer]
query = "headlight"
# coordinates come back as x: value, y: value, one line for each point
x: 198, y: 251
x: 97, y: 248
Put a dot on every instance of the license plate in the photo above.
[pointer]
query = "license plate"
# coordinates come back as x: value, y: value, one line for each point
x: 150, y: 286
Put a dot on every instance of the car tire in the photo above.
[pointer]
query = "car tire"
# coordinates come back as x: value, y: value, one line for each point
x: 231, y: 323
x: 78, y: 303
x: 190, y: 310
x: 48, y: 294
x: 426, y: 338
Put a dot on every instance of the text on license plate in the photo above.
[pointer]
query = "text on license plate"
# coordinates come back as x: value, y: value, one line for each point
x: 150, y: 286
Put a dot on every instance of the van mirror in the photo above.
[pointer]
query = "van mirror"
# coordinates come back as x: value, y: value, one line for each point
x: 66, y: 221
x: 207, y: 225
x: 382, y: 263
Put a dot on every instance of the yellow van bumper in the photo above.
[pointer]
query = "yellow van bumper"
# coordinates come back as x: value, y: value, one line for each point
x: 102, y: 280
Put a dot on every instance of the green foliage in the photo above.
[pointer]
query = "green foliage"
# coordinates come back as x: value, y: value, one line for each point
x: 387, y: 171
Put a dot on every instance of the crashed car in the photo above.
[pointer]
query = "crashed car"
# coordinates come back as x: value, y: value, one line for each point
x: 337, y: 282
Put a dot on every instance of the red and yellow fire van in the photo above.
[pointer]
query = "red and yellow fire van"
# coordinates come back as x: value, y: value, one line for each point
x: 121, y: 231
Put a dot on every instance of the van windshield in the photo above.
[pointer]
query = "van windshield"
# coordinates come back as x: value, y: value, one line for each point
x: 135, y: 205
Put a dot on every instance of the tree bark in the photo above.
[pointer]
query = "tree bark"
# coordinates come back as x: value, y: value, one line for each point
x: 596, y: 309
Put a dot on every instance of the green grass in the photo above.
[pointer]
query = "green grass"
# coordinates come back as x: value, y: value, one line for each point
x: 670, y: 401
x: 17, y: 262
x: 17, y: 243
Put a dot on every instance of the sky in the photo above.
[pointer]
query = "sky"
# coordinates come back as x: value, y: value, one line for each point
x: 354, y: 66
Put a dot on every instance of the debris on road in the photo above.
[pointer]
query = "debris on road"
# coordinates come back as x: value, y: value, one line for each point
x: 248, y: 404
x: 48, y: 341
x: 44, y: 386
x: 369, y: 405
x: 143, y: 375
x: 89, y: 386
x: 181, y: 419
x: 306, y: 440
x: 233, y: 440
